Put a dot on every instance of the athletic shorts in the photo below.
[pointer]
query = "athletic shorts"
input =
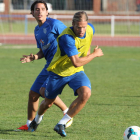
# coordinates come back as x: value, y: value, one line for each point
x: 54, y: 83
x: 41, y: 78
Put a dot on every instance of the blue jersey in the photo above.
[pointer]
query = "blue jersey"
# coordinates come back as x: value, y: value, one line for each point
x: 46, y: 35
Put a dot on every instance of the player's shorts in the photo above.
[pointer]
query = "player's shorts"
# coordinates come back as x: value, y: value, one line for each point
x: 41, y: 78
x: 55, y: 83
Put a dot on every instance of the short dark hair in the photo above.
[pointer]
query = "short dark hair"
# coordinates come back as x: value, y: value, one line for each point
x: 38, y: 1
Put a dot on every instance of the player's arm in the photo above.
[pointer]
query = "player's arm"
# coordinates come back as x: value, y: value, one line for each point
x: 88, y: 52
x: 31, y: 57
x: 67, y: 45
x: 39, y: 55
x: 80, y: 61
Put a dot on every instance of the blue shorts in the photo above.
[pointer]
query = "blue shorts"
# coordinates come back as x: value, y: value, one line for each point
x: 55, y: 83
x: 41, y: 78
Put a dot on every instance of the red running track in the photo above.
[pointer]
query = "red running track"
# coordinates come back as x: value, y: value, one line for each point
x: 97, y: 40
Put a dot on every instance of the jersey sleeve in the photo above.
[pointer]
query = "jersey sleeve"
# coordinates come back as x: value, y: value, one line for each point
x: 58, y: 27
x: 67, y: 45
x: 92, y: 27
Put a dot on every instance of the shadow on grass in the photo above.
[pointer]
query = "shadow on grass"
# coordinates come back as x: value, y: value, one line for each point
x: 9, y: 131
x: 20, y: 133
x: 5, y: 131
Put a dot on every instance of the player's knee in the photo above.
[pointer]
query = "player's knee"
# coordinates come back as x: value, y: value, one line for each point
x: 48, y: 103
x: 33, y: 95
x: 85, y: 95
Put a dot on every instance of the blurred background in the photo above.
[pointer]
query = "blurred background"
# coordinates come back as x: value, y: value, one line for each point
x: 116, y: 22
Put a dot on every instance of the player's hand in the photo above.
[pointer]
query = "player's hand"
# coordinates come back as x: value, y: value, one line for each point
x: 98, y: 52
x: 27, y: 58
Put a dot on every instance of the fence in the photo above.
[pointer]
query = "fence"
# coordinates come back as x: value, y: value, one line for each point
x: 111, y: 26
x: 104, y: 25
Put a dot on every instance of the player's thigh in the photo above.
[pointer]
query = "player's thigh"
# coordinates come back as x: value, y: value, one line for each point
x: 54, y: 85
x: 80, y: 80
x: 42, y: 91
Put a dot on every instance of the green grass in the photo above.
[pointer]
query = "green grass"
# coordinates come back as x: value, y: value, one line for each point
x: 113, y: 106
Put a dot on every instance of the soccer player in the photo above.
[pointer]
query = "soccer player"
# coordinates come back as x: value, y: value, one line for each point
x: 45, y: 32
x: 66, y: 67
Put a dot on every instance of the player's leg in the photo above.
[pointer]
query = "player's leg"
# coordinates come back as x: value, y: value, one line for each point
x: 50, y: 89
x: 58, y: 102
x: 84, y: 94
x: 33, y: 103
x: 45, y: 104
x: 33, y: 100
x: 82, y: 87
x: 76, y: 106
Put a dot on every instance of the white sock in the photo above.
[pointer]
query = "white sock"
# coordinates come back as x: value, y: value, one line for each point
x: 38, y: 118
x: 28, y: 122
x: 65, y: 111
x: 65, y: 119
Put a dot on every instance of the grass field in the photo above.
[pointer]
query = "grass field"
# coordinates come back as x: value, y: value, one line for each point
x: 113, y: 106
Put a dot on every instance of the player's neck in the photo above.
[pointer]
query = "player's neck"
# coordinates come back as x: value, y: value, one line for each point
x: 40, y: 23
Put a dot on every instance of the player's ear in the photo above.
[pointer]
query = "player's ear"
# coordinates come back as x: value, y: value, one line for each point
x: 47, y: 14
x: 32, y: 12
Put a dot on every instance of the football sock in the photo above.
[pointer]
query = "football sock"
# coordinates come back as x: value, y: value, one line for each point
x: 65, y: 119
x: 65, y: 111
x: 38, y: 118
x: 28, y: 122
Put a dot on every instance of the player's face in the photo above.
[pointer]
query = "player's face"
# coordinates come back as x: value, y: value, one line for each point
x: 79, y: 28
x: 40, y: 13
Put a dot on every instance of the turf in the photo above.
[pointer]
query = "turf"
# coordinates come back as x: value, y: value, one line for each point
x: 113, y: 106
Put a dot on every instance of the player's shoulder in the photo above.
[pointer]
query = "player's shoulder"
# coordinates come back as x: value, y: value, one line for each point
x: 67, y: 37
x: 54, y: 21
x: 91, y: 25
